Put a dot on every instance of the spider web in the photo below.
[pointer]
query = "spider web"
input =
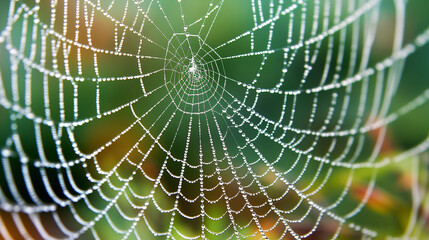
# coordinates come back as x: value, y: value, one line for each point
x: 203, y: 119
